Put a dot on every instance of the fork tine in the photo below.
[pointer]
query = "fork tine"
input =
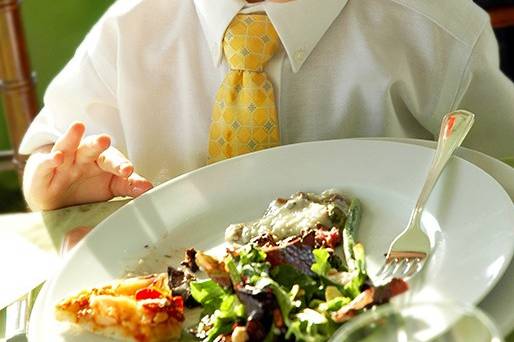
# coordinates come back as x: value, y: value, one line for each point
x: 397, y: 265
x: 387, y: 268
x: 382, y: 269
x: 417, y: 264
x: 392, y: 266
x: 403, y: 265
x: 410, y: 263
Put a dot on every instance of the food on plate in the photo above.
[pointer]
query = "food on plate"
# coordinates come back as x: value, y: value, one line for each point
x: 287, y: 217
x: 287, y: 291
x: 285, y: 282
x: 139, y: 309
x: 296, y: 274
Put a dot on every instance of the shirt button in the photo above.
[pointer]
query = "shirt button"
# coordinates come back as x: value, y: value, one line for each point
x: 299, y: 55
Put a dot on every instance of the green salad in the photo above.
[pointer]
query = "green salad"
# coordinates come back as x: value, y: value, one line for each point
x: 301, y: 288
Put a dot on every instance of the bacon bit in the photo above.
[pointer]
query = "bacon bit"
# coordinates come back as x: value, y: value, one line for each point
x: 178, y: 302
x: 398, y: 286
x: 178, y: 316
x: 372, y: 295
x: 385, y: 292
x: 264, y: 240
x: 360, y: 302
x: 154, y: 307
x: 148, y: 294
x: 328, y: 238
x: 176, y: 309
x: 173, y: 306
x: 281, y: 200
x: 321, y: 227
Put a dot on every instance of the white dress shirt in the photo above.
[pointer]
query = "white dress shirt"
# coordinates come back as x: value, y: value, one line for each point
x: 148, y: 71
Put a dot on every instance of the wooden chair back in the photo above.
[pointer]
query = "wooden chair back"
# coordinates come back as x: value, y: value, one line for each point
x: 502, y: 16
x: 17, y: 83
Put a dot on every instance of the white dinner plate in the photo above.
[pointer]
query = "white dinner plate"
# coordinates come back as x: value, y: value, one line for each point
x: 499, y: 302
x: 469, y: 218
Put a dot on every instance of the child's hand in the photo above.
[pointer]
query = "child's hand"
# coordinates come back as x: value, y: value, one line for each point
x: 77, y: 170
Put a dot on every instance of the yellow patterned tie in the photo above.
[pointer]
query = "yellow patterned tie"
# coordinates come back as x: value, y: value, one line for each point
x: 244, y: 117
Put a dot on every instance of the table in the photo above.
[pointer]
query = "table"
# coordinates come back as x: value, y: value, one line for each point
x: 46, y: 230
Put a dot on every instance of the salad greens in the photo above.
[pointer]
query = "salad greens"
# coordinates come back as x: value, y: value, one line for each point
x: 297, y: 289
x: 221, y: 308
x: 304, y: 301
x: 321, y: 266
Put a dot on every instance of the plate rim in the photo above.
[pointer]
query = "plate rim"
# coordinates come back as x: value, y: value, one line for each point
x: 41, y: 299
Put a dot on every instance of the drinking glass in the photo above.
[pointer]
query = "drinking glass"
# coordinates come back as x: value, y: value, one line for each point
x: 420, y: 322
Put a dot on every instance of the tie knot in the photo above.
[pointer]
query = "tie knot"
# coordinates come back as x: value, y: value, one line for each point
x: 250, y: 41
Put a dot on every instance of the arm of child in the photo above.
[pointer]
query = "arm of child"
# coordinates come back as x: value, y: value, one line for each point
x: 73, y: 162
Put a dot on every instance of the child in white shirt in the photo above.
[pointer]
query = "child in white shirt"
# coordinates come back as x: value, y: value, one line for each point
x: 143, y: 82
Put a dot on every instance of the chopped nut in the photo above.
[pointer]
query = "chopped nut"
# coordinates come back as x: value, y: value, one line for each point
x: 331, y: 292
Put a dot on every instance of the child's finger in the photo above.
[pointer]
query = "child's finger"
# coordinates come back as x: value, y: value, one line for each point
x: 133, y: 186
x: 113, y: 161
x: 70, y: 140
x: 44, y: 169
x: 91, y: 147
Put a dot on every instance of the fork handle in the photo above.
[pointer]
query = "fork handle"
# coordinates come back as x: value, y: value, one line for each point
x: 454, y: 128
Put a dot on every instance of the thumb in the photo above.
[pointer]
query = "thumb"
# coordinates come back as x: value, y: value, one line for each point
x: 133, y: 186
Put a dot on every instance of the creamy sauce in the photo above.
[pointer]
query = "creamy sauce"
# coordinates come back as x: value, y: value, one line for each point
x: 285, y: 218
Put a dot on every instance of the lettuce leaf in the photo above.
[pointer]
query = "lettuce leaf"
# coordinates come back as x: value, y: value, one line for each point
x: 223, y: 309
x: 321, y: 265
x: 310, y: 326
x: 249, y: 254
x: 287, y: 276
x: 208, y: 293
x: 251, y: 264
x: 231, y: 266
x: 334, y: 304
x: 285, y: 302
x: 230, y: 311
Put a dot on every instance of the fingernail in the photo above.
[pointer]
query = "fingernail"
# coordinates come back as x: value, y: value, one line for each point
x: 138, y: 191
x: 124, y: 166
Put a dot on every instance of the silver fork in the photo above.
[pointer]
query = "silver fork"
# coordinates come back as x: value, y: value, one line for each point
x: 410, y: 249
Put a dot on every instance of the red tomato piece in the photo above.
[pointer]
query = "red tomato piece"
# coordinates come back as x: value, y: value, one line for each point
x: 147, y: 294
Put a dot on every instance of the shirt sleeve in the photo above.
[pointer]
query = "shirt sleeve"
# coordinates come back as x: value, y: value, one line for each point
x: 489, y: 94
x: 85, y: 90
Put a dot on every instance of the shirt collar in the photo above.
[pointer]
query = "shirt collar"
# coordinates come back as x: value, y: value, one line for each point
x: 300, y: 24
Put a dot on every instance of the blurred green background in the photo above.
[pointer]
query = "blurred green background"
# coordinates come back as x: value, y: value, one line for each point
x: 53, y: 30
